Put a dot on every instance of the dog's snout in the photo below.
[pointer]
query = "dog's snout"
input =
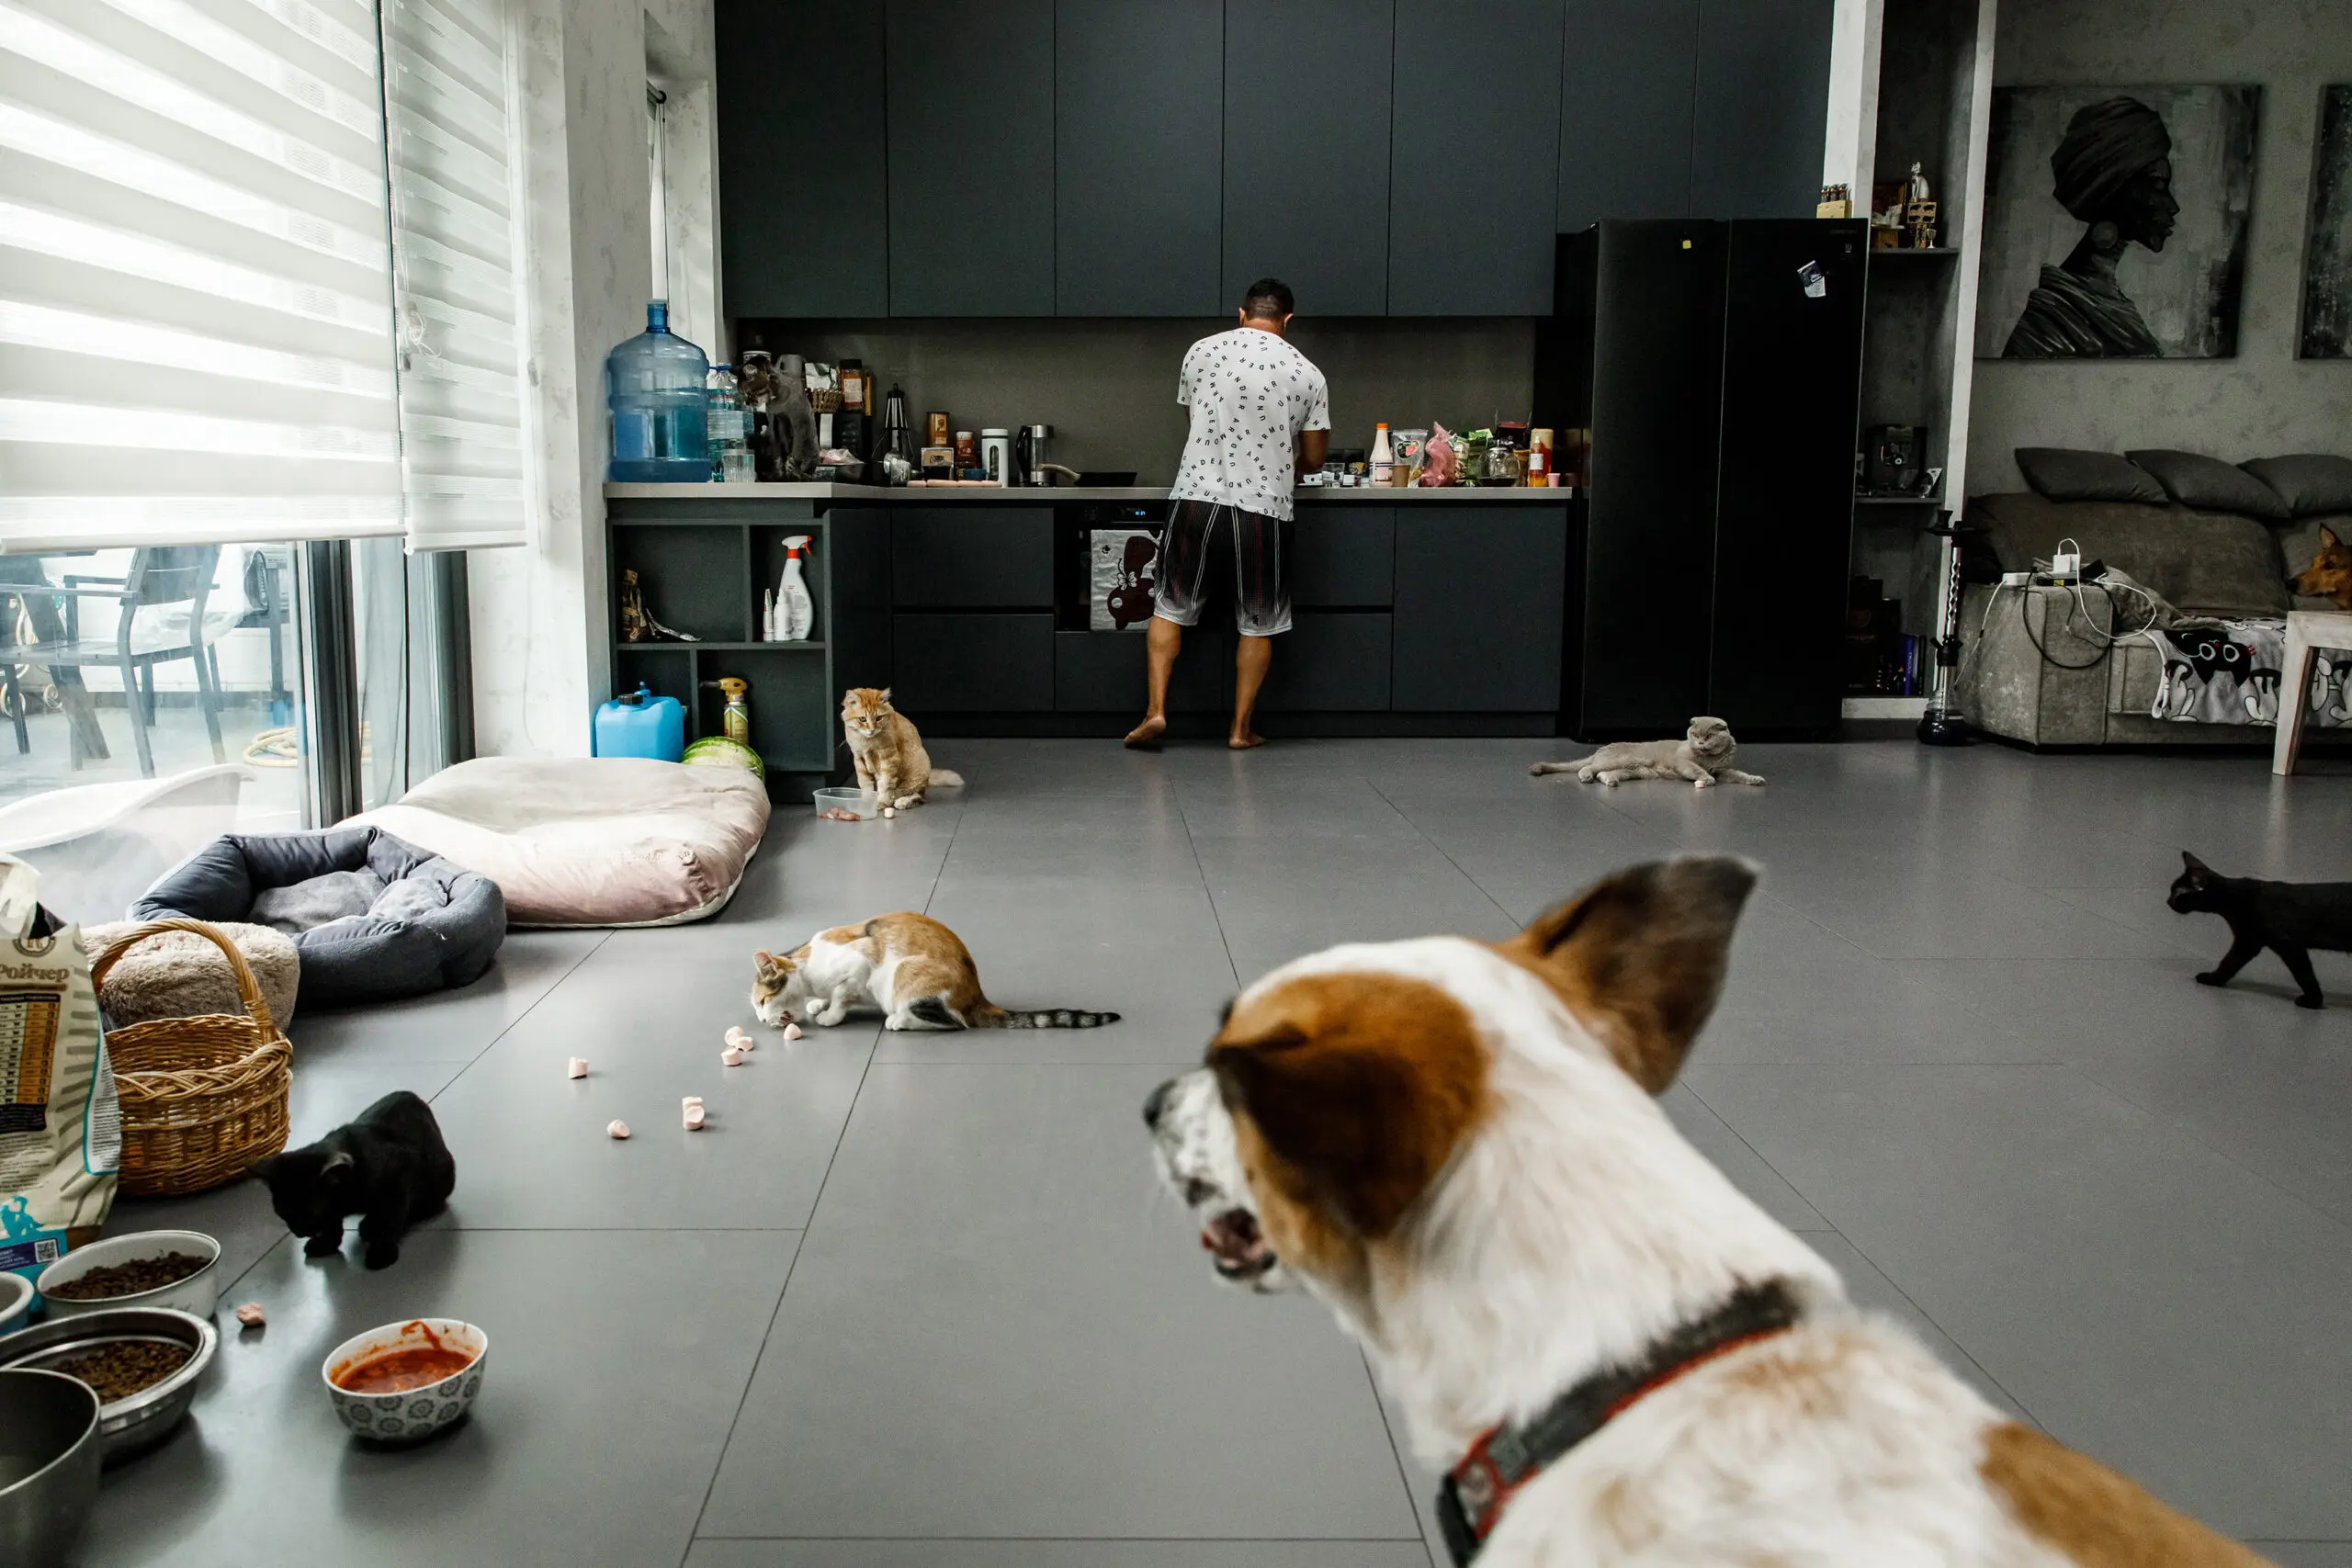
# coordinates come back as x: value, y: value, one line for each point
x: 1156, y: 1103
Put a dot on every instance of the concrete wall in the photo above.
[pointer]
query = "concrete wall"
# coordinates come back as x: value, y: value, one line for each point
x: 1108, y: 387
x: 2265, y: 400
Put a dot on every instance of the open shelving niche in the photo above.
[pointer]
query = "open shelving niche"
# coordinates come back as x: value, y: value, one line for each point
x: 701, y: 573
x: 1929, y: 101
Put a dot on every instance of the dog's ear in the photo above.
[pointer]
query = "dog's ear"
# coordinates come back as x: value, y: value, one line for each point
x: 1640, y: 957
x: 2327, y: 539
x: 1358, y: 1086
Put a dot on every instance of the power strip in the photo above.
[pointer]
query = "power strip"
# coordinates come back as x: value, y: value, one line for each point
x: 2016, y: 580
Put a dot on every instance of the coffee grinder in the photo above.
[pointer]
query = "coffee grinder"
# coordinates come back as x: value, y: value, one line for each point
x: 893, y: 446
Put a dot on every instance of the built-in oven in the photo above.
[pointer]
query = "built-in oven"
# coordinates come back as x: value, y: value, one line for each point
x: 1103, y: 555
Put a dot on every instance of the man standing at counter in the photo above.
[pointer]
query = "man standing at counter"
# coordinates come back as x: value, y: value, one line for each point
x: 1260, y: 409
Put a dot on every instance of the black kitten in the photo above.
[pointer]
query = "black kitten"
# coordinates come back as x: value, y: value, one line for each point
x: 2287, y: 918
x: 390, y: 1167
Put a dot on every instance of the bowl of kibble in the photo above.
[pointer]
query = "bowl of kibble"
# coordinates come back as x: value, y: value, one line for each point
x: 180, y: 1269
x: 404, y: 1381
x: 142, y: 1362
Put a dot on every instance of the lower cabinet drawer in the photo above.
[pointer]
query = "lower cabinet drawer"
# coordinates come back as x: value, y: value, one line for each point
x: 1104, y: 673
x: 972, y: 663
x: 1329, y: 664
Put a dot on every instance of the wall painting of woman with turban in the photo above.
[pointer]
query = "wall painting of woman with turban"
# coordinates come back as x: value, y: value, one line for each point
x: 2116, y: 222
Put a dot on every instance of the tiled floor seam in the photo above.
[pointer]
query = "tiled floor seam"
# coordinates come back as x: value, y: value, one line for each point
x: 1433, y: 843
x: 767, y: 1330
x: 1833, y: 1230
x: 1176, y: 788
x: 1395, y: 1450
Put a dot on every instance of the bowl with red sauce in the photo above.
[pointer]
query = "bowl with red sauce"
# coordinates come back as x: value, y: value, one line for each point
x: 404, y: 1382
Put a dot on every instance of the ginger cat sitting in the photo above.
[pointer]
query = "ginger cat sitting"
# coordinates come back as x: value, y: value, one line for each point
x: 887, y: 750
x: 916, y: 970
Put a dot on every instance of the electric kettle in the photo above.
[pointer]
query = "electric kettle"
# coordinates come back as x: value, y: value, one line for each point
x: 1029, y: 455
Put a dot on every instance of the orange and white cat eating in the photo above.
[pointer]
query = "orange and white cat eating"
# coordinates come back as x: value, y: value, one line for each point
x: 914, y: 969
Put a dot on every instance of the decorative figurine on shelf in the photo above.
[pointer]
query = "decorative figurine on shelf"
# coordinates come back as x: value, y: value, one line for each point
x: 1918, y: 190
x: 1919, y: 220
x: 636, y: 622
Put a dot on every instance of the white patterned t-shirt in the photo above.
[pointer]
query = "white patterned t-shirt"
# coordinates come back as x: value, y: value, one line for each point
x: 1250, y: 393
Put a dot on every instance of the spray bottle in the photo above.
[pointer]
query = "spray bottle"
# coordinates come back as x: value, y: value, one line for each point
x: 796, y: 613
x: 736, y: 722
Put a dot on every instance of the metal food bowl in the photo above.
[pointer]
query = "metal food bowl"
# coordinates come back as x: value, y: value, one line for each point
x: 129, y: 1427
x: 196, y: 1293
x: 49, y: 1466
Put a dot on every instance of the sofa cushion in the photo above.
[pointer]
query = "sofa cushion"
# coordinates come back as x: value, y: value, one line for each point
x: 2309, y: 482
x: 2200, y: 561
x: 2212, y: 485
x: 2065, y: 473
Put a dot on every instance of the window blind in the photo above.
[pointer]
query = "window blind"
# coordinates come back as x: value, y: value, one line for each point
x: 196, y: 316
x: 451, y: 107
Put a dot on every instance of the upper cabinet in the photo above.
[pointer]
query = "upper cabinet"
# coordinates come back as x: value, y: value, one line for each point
x: 1307, y: 126
x: 1626, y: 111
x: 1763, y: 91
x: 1152, y: 157
x: 1138, y: 182
x: 1474, y: 130
x: 971, y: 156
x: 785, y: 65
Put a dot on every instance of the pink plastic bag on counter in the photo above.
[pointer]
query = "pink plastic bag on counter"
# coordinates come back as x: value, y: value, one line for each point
x: 1438, y: 464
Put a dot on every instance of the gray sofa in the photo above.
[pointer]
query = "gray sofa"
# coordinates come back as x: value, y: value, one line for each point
x: 2033, y: 670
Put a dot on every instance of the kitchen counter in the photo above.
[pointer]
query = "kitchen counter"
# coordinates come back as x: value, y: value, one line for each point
x: 1364, y: 495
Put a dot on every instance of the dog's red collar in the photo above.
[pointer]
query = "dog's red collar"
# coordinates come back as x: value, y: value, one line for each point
x: 1476, y: 1493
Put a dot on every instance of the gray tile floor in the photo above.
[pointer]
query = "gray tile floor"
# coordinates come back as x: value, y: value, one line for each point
x: 914, y: 1299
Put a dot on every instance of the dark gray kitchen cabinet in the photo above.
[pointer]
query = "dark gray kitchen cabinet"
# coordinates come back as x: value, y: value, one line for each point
x: 1763, y: 78
x: 971, y: 147
x: 1137, y: 189
x: 1307, y: 126
x: 949, y: 663
x: 1343, y: 556
x: 1330, y: 662
x: 1475, y: 129
x: 786, y: 252
x: 948, y: 557
x: 1479, y: 608
x: 1103, y: 672
x: 1626, y: 109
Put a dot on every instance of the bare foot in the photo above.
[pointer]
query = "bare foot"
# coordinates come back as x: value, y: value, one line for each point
x: 1145, y: 737
x: 1248, y: 740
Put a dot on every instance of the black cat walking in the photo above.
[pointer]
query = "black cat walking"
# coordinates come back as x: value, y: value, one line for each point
x: 2287, y: 918
x: 390, y: 1167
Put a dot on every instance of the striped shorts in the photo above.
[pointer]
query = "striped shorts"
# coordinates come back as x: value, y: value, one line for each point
x: 1188, y: 545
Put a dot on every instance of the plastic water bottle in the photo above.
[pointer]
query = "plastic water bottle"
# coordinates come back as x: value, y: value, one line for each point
x: 730, y: 430
x: 657, y: 406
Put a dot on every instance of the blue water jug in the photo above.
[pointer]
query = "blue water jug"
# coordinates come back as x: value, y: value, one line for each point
x: 657, y: 407
x: 639, y: 724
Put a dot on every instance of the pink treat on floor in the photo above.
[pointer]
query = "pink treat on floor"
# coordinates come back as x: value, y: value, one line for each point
x: 617, y: 1129
x: 732, y: 1056
x: 576, y: 1068
x: 250, y: 1315
x: 694, y: 1114
x: 792, y: 1032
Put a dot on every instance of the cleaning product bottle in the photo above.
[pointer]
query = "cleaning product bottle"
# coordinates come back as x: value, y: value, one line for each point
x: 796, y: 613
x: 1384, y: 456
x: 736, y: 722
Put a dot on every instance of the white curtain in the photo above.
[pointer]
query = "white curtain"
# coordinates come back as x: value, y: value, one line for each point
x: 196, y: 315
x: 452, y: 109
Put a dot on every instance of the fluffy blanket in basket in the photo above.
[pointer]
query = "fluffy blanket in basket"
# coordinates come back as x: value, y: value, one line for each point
x: 180, y: 974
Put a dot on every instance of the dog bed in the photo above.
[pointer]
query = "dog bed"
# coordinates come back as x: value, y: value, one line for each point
x: 590, y: 841
x: 180, y: 974
x: 372, y: 917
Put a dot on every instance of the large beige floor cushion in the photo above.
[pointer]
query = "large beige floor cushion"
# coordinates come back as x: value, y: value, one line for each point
x: 590, y: 840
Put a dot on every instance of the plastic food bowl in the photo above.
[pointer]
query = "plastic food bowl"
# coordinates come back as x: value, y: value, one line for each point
x: 198, y: 1294
x: 15, y: 1300
x: 417, y: 1413
x: 862, y: 803
x: 132, y: 1425
x: 49, y: 1466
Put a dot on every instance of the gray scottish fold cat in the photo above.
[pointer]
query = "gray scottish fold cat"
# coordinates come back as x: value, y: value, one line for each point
x: 1704, y: 756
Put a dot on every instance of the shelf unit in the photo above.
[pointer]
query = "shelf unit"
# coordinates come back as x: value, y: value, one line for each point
x: 702, y: 566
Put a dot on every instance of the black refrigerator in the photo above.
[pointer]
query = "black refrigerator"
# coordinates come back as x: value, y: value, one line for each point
x: 1711, y: 373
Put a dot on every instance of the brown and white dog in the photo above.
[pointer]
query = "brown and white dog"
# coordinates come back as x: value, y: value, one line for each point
x: 1615, y: 1354
x: 2330, y: 573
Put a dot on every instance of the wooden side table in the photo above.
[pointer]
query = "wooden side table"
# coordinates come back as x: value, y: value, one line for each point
x: 2307, y: 631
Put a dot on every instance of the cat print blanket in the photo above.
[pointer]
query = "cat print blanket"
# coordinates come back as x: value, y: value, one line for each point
x: 2227, y: 673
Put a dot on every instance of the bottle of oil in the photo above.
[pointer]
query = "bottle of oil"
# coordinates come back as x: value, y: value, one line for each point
x: 735, y: 723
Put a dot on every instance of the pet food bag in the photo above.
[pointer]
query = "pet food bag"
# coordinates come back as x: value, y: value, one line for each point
x: 61, y: 1133
x: 1119, y: 586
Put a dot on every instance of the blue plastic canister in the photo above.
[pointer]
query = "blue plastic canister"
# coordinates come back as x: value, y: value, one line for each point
x: 639, y: 724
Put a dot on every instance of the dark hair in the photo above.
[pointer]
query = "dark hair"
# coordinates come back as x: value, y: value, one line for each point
x: 1268, y: 299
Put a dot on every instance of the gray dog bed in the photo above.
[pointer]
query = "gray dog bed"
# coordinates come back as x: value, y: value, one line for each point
x: 373, y: 918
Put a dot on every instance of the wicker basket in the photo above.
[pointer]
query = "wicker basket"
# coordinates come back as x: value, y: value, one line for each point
x: 202, y: 1098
